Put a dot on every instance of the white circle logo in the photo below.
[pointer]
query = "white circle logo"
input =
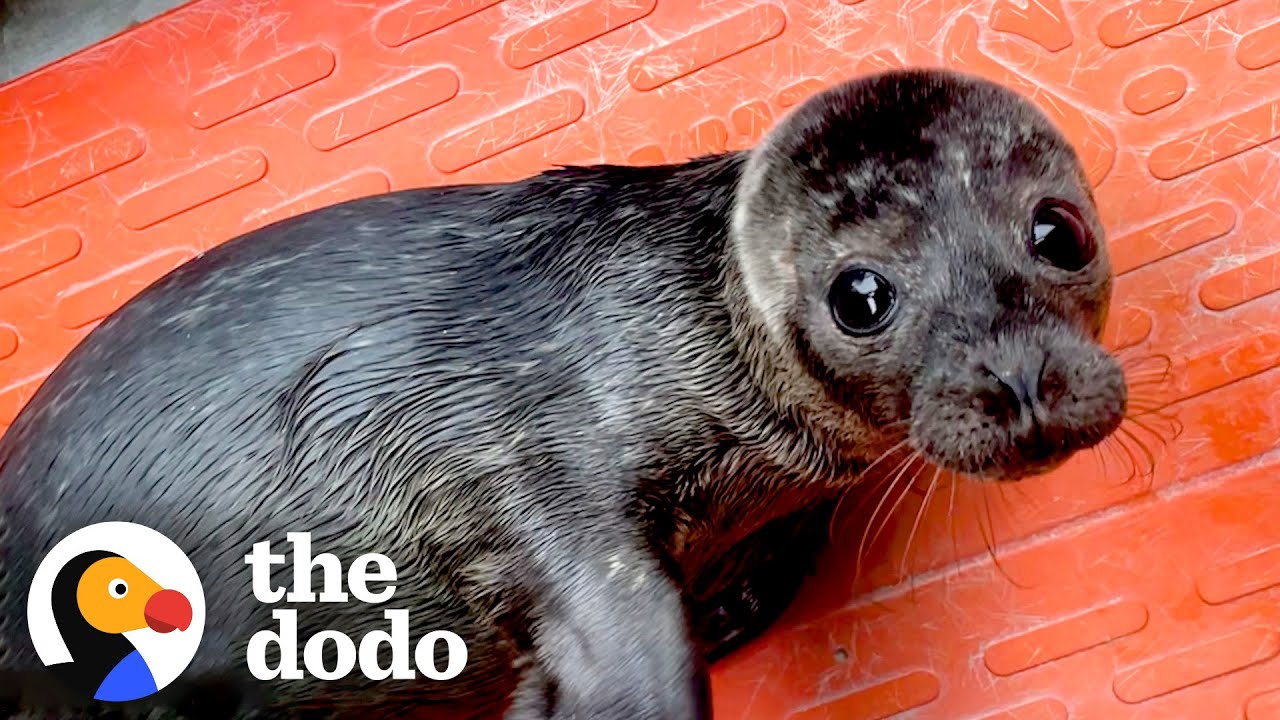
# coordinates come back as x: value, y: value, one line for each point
x: 116, y: 611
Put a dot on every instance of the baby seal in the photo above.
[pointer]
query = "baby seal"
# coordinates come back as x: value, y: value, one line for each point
x: 598, y: 418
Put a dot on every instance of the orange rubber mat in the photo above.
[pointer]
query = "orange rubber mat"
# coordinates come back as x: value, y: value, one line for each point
x: 1139, y: 581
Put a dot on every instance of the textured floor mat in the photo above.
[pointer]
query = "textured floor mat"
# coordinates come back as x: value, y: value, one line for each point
x: 1142, y: 580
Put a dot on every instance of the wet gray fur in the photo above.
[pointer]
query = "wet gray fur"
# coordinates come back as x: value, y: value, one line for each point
x: 597, y: 417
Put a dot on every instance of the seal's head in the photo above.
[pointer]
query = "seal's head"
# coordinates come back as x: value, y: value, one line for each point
x: 920, y: 258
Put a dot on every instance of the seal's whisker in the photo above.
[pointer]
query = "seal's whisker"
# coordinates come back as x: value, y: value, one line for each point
x: 889, y: 483
x: 1152, y: 391
x: 1173, y: 420
x: 834, y: 520
x: 863, y: 544
x: 1099, y: 458
x: 882, y: 456
x: 1147, y: 376
x: 1114, y: 445
x: 902, y: 495
x: 951, y: 514
x: 1148, y: 455
x: 1103, y: 452
x: 1004, y: 488
x: 1171, y: 426
x: 1136, y: 378
x: 951, y: 504
x: 990, y: 542
x: 1149, y: 396
x: 920, y: 513
x: 1146, y: 387
x: 1150, y: 407
x: 1116, y: 441
x: 1124, y: 454
x: 982, y: 529
x: 888, y: 479
x: 835, y: 513
x: 1138, y: 360
x: 883, y: 480
x: 1141, y: 408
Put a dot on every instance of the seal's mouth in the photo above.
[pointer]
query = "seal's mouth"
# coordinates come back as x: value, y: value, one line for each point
x: 990, y: 451
x: 999, y: 473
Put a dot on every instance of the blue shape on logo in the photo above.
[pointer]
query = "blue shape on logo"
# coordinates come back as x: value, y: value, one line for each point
x: 130, y: 679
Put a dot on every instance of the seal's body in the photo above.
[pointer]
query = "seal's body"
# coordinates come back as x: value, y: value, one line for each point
x: 596, y: 417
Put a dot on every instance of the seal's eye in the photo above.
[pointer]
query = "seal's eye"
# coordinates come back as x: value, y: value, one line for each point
x: 861, y: 301
x: 1059, y: 237
x: 118, y: 588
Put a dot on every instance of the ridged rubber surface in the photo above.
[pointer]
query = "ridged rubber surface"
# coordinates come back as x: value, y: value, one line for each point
x: 1104, y: 597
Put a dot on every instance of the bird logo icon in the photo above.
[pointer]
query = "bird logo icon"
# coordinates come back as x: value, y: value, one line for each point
x: 116, y: 611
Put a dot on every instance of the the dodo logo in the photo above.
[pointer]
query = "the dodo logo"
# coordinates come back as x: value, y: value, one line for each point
x: 116, y: 611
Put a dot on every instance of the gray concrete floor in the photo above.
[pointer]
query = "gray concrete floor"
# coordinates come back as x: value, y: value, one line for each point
x: 34, y: 33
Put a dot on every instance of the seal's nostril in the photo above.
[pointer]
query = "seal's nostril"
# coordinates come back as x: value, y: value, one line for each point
x: 1017, y: 384
x: 1021, y: 381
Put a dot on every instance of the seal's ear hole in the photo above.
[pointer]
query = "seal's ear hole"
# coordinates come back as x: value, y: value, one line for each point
x: 862, y: 301
x: 1060, y: 238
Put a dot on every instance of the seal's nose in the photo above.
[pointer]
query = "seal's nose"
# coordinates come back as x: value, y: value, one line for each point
x: 1024, y: 383
x: 1019, y: 374
x: 168, y: 610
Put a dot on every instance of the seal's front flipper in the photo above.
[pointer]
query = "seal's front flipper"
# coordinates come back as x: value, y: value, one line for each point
x: 611, y: 642
x: 741, y: 595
